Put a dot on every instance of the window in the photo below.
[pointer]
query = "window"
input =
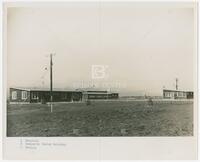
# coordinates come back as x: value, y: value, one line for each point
x: 14, y: 95
x: 168, y: 94
x: 34, y: 95
x: 24, y: 94
x: 180, y: 94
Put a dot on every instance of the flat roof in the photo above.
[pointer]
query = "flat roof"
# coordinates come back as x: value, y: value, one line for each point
x: 45, y: 89
x: 63, y: 90
x: 171, y: 90
x: 104, y: 93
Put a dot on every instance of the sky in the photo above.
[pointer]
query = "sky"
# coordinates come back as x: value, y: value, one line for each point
x: 140, y: 48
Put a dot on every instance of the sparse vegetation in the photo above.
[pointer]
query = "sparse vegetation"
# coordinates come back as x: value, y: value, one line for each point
x: 120, y: 118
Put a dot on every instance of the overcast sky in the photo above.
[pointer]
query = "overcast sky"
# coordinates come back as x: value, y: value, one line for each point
x: 143, y: 47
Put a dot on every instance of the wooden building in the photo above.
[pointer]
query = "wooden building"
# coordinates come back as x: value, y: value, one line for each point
x: 59, y: 95
x: 177, y: 94
x: 43, y: 95
x: 99, y: 95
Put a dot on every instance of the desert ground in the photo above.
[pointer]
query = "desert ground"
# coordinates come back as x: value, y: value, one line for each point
x: 101, y: 118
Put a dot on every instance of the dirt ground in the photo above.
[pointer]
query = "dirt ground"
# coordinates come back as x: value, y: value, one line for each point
x: 100, y: 119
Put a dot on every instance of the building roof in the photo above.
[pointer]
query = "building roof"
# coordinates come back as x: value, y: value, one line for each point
x: 93, y: 90
x: 96, y: 92
x: 173, y: 90
x: 44, y: 89
x: 86, y: 91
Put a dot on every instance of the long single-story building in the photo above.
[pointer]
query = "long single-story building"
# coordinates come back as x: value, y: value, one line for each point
x: 36, y: 95
x: 43, y: 95
x: 177, y: 94
x: 99, y: 95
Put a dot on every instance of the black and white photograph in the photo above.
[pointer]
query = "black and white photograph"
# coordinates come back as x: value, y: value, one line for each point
x: 100, y: 69
x: 100, y: 80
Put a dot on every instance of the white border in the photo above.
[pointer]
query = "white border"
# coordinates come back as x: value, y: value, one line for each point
x: 109, y: 143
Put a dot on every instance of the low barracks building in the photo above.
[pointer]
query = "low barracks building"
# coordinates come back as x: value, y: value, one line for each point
x: 99, y: 95
x: 59, y: 95
x: 42, y: 95
x: 177, y: 94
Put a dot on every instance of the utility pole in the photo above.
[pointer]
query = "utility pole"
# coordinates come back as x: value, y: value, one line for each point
x: 176, y: 83
x: 108, y: 91
x: 51, y: 82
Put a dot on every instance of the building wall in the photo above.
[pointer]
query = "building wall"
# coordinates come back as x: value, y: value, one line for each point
x: 18, y: 95
x: 190, y: 95
x: 77, y: 96
x: 114, y: 95
x: 169, y: 94
x: 58, y: 96
x: 33, y: 96
x: 181, y: 95
x: 96, y: 95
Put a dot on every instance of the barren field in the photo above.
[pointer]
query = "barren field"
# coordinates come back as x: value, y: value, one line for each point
x: 101, y: 118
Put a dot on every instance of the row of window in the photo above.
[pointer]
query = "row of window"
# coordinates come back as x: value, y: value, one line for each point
x: 24, y: 95
x: 172, y: 94
x: 34, y: 95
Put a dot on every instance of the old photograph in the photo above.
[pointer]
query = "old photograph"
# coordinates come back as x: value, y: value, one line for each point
x: 100, y: 69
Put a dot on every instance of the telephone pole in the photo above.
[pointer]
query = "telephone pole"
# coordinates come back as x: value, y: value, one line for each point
x: 176, y: 83
x: 51, y: 82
